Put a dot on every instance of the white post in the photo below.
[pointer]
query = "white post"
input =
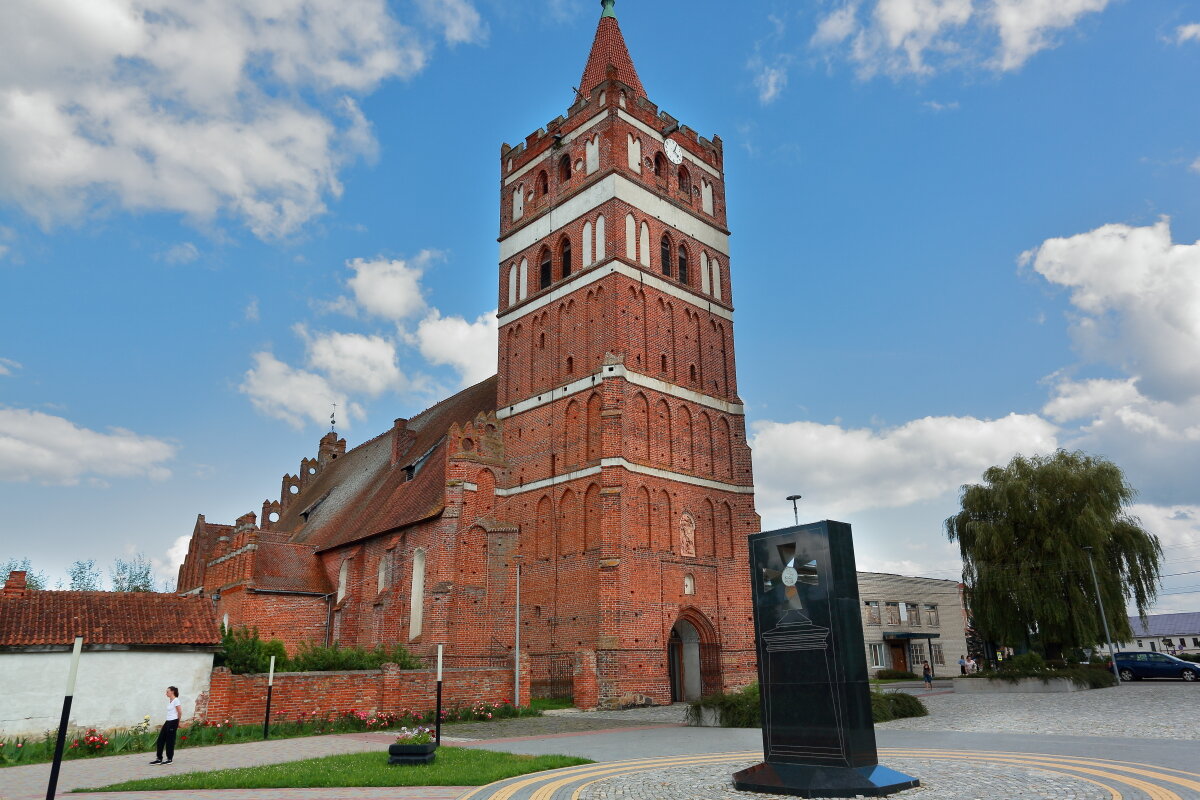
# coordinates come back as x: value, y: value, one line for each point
x: 75, y: 651
x: 271, y: 673
x: 439, y: 671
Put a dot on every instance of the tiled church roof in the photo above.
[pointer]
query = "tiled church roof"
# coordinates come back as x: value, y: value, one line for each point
x: 609, y: 48
x: 362, y: 494
x: 124, y: 618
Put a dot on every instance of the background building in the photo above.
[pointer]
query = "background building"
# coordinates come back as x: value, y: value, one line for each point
x: 1165, y: 633
x: 908, y: 620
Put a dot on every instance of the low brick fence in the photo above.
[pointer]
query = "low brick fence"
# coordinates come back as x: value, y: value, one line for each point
x: 242, y: 698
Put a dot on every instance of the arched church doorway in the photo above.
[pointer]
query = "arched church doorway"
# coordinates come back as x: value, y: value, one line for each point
x: 693, y: 658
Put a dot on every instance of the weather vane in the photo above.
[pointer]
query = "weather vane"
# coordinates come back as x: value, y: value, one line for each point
x: 332, y: 418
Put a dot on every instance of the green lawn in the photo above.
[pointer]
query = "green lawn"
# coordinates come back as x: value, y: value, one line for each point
x: 551, y: 703
x: 454, y: 766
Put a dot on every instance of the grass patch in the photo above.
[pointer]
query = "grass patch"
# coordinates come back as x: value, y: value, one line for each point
x: 454, y: 766
x: 551, y: 703
x: 742, y: 709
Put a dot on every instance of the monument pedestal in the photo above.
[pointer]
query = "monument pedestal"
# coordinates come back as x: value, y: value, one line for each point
x: 818, y: 734
x: 804, y: 780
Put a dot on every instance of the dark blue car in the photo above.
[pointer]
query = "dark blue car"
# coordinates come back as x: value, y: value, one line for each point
x: 1135, y: 666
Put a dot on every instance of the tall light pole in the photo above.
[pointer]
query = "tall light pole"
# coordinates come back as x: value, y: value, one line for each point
x: 795, y: 512
x: 1103, y: 617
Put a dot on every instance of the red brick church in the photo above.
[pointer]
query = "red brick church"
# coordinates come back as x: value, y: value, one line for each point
x: 606, y: 461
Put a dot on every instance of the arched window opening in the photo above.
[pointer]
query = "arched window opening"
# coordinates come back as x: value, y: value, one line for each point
x: 663, y: 364
x: 543, y: 183
x: 545, y: 274
x: 692, y: 373
x: 586, y: 260
x: 570, y: 364
x: 382, y: 577
x: 685, y: 181
x: 343, y: 580
x: 542, y: 341
x: 689, y: 584
x: 416, y: 612
x: 660, y: 165
x: 683, y: 264
x: 564, y: 252
x: 512, y: 284
x: 564, y: 168
x: 665, y: 256
x: 599, y: 239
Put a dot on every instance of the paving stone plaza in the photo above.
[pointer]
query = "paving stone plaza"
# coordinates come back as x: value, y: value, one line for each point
x: 1134, y: 742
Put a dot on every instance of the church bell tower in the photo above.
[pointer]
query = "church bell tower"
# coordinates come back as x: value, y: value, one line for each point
x: 628, y: 471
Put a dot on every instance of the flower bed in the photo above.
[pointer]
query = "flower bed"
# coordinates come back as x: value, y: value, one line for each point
x: 140, y: 738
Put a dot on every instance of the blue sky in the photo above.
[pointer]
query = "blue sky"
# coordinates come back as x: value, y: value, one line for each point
x: 962, y: 229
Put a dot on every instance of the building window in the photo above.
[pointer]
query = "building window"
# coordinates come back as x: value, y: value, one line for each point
x: 545, y: 274
x: 683, y: 264
x: 383, y: 572
x: 689, y: 584
x: 665, y: 255
x: 873, y: 612
x: 916, y: 657
x: 1195, y: 642
x: 416, y: 614
x: 1140, y: 643
x: 938, y: 657
x: 931, y: 615
x: 660, y: 165
x: 685, y: 181
x: 543, y: 183
x: 343, y: 580
x: 564, y: 168
x: 893, y: 613
x: 912, y: 613
x: 564, y: 250
x: 877, y: 655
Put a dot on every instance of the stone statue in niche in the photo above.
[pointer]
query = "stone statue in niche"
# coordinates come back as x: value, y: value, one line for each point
x: 687, y: 535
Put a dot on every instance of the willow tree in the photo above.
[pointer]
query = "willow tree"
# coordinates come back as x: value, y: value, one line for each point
x: 1025, y: 534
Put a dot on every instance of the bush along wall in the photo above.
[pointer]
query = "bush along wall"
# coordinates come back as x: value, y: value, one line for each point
x: 1032, y: 665
x: 742, y: 709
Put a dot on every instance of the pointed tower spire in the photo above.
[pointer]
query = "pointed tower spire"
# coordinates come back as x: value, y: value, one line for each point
x: 608, y: 49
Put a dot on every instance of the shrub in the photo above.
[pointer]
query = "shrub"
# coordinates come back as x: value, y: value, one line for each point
x: 895, y: 705
x: 895, y: 674
x: 243, y: 652
x: 1026, y: 662
x: 741, y: 708
x: 1193, y: 657
x: 315, y: 658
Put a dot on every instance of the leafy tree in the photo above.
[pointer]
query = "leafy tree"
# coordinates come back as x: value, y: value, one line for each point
x: 1024, y: 533
x: 243, y: 652
x: 134, y: 575
x: 33, y: 580
x: 84, y: 576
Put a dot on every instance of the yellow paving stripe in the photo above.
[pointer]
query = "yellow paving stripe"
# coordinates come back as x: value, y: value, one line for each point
x: 1153, y: 791
x: 506, y: 792
x: 545, y: 785
x: 1126, y: 766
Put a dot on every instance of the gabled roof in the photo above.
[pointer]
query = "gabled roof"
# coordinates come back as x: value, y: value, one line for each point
x: 1167, y: 624
x: 123, y: 618
x: 609, y: 48
x: 362, y: 493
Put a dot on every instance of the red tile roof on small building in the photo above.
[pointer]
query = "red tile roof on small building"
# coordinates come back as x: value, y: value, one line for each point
x: 609, y: 48
x: 33, y: 618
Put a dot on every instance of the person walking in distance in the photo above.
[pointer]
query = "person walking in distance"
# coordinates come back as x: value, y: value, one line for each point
x: 166, y: 736
x: 962, y: 664
x: 927, y: 676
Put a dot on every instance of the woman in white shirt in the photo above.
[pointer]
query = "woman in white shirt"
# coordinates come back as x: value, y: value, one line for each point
x: 166, y: 736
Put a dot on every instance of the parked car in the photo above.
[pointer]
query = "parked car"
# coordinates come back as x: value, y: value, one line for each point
x: 1135, y: 666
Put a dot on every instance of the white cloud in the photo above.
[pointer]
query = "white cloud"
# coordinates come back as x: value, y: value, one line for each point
x: 355, y: 363
x: 250, y: 312
x: 1137, y: 301
x: 469, y: 347
x: 1196, y: 165
x: 1027, y: 26
x: 458, y: 19
x: 920, y: 37
x: 6, y: 235
x: 1188, y: 33
x: 53, y: 450
x: 1074, y: 400
x: 770, y: 81
x: 295, y: 396
x: 1177, y: 526
x: 167, y: 569
x: 182, y: 253
x: 848, y: 470
x: 936, y: 107
x: 388, y: 288
x: 200, y: 107
x: 7, y: 365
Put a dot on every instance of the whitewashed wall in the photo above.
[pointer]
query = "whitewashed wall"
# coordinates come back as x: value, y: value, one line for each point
x: 115, y: 689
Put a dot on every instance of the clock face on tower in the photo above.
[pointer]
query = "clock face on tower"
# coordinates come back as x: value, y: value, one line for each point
x: 674, y: 151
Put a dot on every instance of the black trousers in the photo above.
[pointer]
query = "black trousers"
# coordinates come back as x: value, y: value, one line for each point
x: 166, y: 738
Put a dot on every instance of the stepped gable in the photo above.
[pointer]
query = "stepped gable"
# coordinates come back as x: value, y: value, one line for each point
x: 287, y: 567
x: 608, y: 48
x: 368, y: 491
x: 115, y: 618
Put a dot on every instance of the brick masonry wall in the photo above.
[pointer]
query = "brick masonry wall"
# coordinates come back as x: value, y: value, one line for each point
x: 242, y: 698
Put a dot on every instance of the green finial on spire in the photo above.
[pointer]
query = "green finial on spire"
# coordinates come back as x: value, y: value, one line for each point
x: 608, y: 9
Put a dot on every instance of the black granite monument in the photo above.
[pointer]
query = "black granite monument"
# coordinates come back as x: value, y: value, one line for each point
x: 818, y: 735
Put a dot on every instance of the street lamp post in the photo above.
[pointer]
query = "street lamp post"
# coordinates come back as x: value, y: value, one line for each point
x: 1103, y: 617
x: 795, y: 513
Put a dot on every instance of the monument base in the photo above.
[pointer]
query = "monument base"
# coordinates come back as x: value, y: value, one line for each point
x: 804, y: 780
